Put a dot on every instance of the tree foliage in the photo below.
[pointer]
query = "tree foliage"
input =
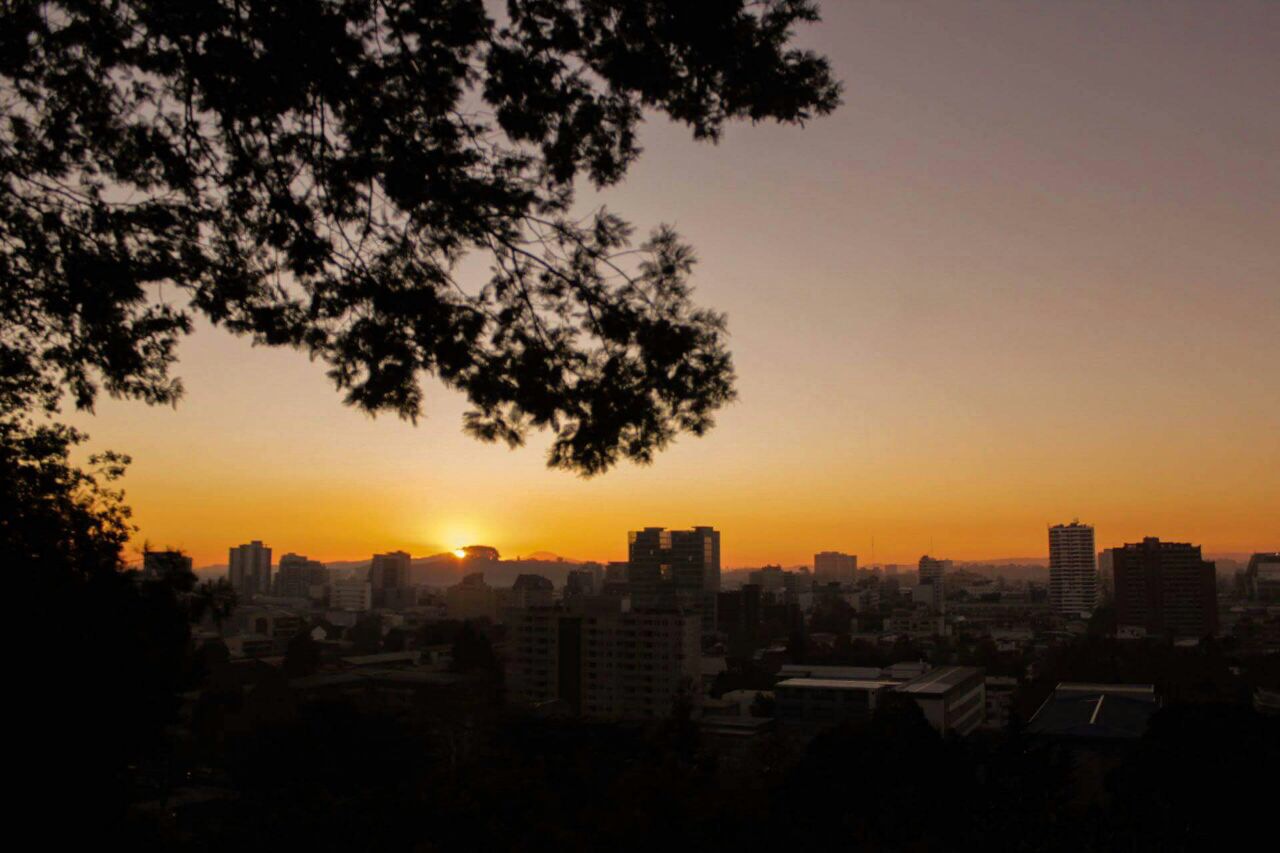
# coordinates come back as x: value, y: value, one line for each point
x: 310, y: 173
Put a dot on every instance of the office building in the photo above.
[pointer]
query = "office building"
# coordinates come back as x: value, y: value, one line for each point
x: 1164, y: 589
x: 1073, y: 570
x: 834, y: 567
x: 675, y: 569
x: 249, y: 569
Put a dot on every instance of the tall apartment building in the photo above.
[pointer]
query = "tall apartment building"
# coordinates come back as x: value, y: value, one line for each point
x: 1165, y: 588
x: 834, y: 567
x: 933, y: 575
x: 296, y: 575
x: 669, y: 569
x: 1073, y: 569
x: 390, y: 570
x: 249, y: 569
x: 604, y: 662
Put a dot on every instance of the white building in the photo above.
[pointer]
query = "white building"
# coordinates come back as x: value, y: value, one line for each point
x: 1073, y: 570
x: 354, y: 596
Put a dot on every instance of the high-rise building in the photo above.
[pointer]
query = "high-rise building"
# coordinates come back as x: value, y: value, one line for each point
x: 296, y: 576
x: 1263, y: 576
x: 834, y: 567
x: 249, y: 569
x: 1073, y: 570
x: 390, y: 570
x: 933, y: 575
x: 670, y: 569
x: 1165, y: 588
x: 601, y: 661
x: 158, y: 565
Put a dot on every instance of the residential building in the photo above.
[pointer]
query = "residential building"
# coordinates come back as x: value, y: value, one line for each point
x: 600, y: 661
x: 933, y: 575
x: 834, y: 567
x: 1163, y: 589
x: 249, y: 569
x: 1073, y: 570
x: 297, y: 576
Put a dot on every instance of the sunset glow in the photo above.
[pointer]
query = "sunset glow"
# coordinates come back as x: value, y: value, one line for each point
x: 1010, y: 283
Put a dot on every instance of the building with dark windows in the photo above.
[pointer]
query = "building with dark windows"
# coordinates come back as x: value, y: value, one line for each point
x: 595, y: 659
x: 933, y: 577
x: 1164, y: 589
x: 1073, y: 570
x: 1263, y: 576
x: 675, y: 569
x: 249, y: 569
x: 834, y: 567
x: 296, y: 576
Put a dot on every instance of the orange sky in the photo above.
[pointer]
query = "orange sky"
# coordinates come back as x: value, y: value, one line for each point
x: 1029, y: 272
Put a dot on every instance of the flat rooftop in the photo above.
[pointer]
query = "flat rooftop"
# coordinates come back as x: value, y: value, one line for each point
x: 1095, y: 714
x: 836, y: 683
x: 939, y: 681
x: 1137, y: 690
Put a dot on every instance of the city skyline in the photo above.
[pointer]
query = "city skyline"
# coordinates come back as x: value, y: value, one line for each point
x: 1026, y: 273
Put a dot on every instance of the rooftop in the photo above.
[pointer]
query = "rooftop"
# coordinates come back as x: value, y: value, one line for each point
x: 940, y: 681
x: 1096, y: 711
x: 836, y: 683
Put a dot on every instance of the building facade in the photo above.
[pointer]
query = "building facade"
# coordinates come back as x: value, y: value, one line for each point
x: 675, y: 569
x: 1073, y: 570
x: 297, y: 576
x: 249, y: 569
x: 600, y: 661
x: 354, y: 596
x: 835, y: 567
x: 933, y: 574
x: 1263, y: 576
x: 1165, y: 588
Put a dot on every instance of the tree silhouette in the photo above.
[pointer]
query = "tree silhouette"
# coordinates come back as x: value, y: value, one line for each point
x: 310, y: 174
x: 106, y: 679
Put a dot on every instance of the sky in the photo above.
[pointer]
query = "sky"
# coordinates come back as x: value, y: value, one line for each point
x: 1029, y: 272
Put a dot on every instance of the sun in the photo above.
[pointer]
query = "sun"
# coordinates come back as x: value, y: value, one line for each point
x: 460, y: 553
